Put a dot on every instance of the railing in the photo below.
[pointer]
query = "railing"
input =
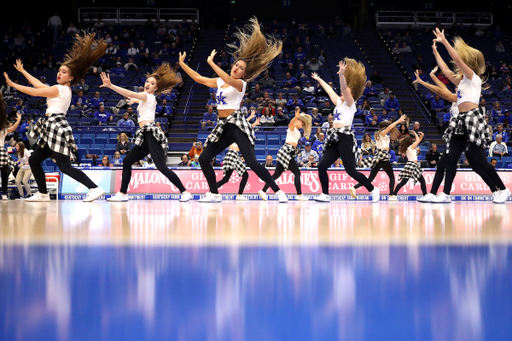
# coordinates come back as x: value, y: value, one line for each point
x: 103, y: 129
x: 136, y: 15
x: 187, y: 105
x: 426, y: 18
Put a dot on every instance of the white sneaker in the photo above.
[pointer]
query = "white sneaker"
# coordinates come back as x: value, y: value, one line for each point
x: 442, y: 198
x: 375, y: 194
x: 263, y: 195
x: 281, y: 196
x: 323, y: 198
x: 119, y: 197
x: 392, y: 198
x: 38, y: 197
x: 210, y: 197
x: 94, y: 194
x: 301, y: 197
x: 352, y: 192
x: 185, y: 196
x: 502, y: 196
x: 426, y: 198
x: 4, y: 197
x: 241, y: 197
x: 495, y: 195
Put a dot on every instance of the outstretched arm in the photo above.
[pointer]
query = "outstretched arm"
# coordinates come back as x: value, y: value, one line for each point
x: 291, y: 125
x: 392, y: 125
x: 418, y: 139
x: 235, y: 83
x: 443, y: 92
x: 141, y: 96
x: 343, y: 84
x: 15, y: 125
x: 332, y: 95
x: 33, y: 80
x: 442, y: 65
x: 50, y: 92
x: 209, y: 82
x: 466, y: 70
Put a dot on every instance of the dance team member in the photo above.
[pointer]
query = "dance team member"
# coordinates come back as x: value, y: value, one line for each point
x: 6, y: 162
x: 54, y: 132
x: 233, y: 162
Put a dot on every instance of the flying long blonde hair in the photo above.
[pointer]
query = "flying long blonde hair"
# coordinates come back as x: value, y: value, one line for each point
x: 355, y: 75
x: 308, y: 121
x: 472, y: 57
x: 85, y: 52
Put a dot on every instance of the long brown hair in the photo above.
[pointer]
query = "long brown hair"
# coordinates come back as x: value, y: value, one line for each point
x: 256, y: 50
x: 355, y: 75
x: 383, y: 125
x: 21, y: 150
x: 3, y: 112
x: 307, y: 120
x: 472, y: 57
x: 108, y: 161
x: 404, y: 144
x: 85, y: 52
x: 166, y: 78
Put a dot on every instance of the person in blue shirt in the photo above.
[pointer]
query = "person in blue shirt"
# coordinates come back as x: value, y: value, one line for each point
x: 504, y: 135
x: 318, y: 145
x: 96, y: 101
x: 436, y: 106
x: 384, y: 117
x: 212, y: 101
x: 209, y: 118
x: 164, y: 110
x: 369, y: 118
x: 421, y: 75
x: 430, y: 96
x: 391, y: 104
x: 118, y: 70
x: 496, y: 110
x: 290, y: 83
x: 168, y: 96
x: 317, y: 119
x: 101, y: 117
x: 446, y: 120
x: 392, y: 156
x: 300, y: 56
x: 505, y: 117
x: 369, y: 90
x: 79, y: 101
x: 294, y: 102
x: 125, y: 121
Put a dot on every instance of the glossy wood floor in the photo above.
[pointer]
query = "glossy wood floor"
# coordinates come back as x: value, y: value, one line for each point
x: 253, y: 223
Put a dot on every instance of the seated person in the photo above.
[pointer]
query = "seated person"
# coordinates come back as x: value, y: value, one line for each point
x: 498, y: 147
x: 125, y: 121
x: 317, y: 119
x: 123, y: 145
x: 118, y: 70
x: 164, y: 110
x: 79, y: 101
x: 102, y: 117
x: 385, y: 116
x: 209, y: 118
x: 96, y: 100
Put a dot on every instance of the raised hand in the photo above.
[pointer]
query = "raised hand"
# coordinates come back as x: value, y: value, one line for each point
x: 402, y: 118
x: 342, y: 65
x: 8, y: 80
x: 314, y: 75
x: 297, y: 111
x: 18, y: 116
x: 211, y: 56
x: 418, y: 79
x: 257, y: 122
x: 131, y: 101
x: 182, y: 57
x: 439, y: 36
x: 106, y: 80
x: 434, y: 70
x: 434, y: 46
x: 19, y: 65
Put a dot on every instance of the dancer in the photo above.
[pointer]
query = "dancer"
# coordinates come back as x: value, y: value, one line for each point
x: 232, y: 161
x: 381, y: 160
x: 468, y: 132
x: 341, y: 141
x: 148, y: 138
x: 287, y: 153
x: 252, y: 58
x: 412, y: 169
x: 6, y: 162
x: 54, y: 132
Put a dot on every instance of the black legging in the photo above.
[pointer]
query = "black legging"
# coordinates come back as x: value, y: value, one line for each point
x: 149, y: 145
x: 63, y: 161
x: 477, y: 159
x: 243, y: 182
x: 232, y: 134
x: 5, y: 171
x: 342, y: 149
x: 404, y: 181
x: 386, y: 166
x: 294, y: 168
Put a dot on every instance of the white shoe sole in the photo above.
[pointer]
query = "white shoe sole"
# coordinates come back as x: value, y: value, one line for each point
x: 188, y: 198
x: 263, y: 195
x: 96, y: 196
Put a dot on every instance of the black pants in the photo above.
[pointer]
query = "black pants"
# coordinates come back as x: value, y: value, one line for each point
x: 149, y: 145
x: 243, y: 182
x: 386, y: 166
x: 342, y: 149
x: 404, y: 181
x: 63, y: 161
x: 5, y: 171
x: 232, y: 134
x: 477, y: 159
x: 294, y: 168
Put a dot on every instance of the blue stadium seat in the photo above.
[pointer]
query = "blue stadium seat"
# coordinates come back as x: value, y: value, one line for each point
x: 109, y: 151
x: 100, y: 140
x: 97, y: 151
x: 86, y: 140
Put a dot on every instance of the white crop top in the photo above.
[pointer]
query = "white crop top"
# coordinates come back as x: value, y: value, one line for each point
x: 454, y: 110
x: 229, y: 98
x: 469, y: 90
x: 147, y: 109
x: 292, y: 135
x: 3, y: 134
x: 383, y: 142
x: 344, y: 114
x: 59, y: 104
x: 411, y: 154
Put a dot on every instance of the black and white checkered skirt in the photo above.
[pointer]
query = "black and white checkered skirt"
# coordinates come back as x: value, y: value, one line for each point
x: 370, y: 162
x: 471, y: 123
x: 237, y: 118
x: 286, y: 153
x: 5, y: 158
x: 157, y: 133
x: 55, y: 132
x: 412, y: 170
x: 232, y: 160
x: 332, y: 138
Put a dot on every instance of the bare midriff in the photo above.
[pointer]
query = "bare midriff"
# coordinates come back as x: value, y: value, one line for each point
x: 143, y: 123
x: 225, y: 112
x: 467, y: 106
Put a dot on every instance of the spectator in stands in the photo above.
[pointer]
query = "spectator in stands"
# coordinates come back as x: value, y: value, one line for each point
x: 385, y: 116
x: 446, y: 120
x: 116, y: 160
x: 102, y: 117
x: 396, y: 49
x: 131, y: 66
x: 290, y: 69
x: 111, y: 49
x: 367, y: 145
x: 505, y: 118
x: 269, y: 162
x: 123, y: 144
x: 118, y: 70
x: 96, y: 101
x: 195, y: 162
x: 164, y: 110
x: 312, y: 163
x: 314, y: 65
x: 338, y: 163
x: 327, y: 109
x: 433, y: 156
x: 436, y: 106
x: 308, y: 90
x: 403, y: 131
x: 500, y: 132
x: 185, y: 161
x: 493, y: 162
x: 369, y: 118
x: 197, y: 149
x: 374, y: 121
x: 145, y: 60
x: 303, y: 157
x: 209, y: 118
x: 328, y: 124
x: 265, y: 101
x: 496, y: 110
x: 294, y: 102
x: 290, y: 83
x: 483, y: 106
x: 280, y: 118
x: 369, y: 90
x: 55, y: 25
x: 376, y: 78
x: 156, y: 60
x: 498, y: 147
x: 79, y: 101
x: 416, y: 128
x: 267, y: 82
x: 300, y: 56
x: 266, y: 118
x: 393, y: 143
x: 392, y: 104
x: 318, y: 145
x: 489, y: 127
x: 500, y: 48
x: 254, y: 95
x: 132, y: 50
x: 142, y: 49
x: 125, y: 121
x: 383, y: 96
x: 405, y: 48
x: 418, y: 153
x: 19, y: 42
x: 71, y: 30
x: 105, y: 162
